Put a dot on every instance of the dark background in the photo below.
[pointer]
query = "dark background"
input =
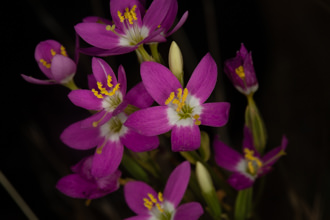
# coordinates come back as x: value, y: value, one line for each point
x: 290, y: 44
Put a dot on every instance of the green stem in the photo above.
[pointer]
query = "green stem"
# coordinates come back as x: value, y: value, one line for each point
x: 71, y: 85
x: 154, y: 52
x: 134, y: 168
x: 143, y: 55
x: 243, y: 204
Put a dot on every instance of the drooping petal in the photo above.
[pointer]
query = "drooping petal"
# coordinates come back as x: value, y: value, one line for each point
x: 191, y: 211
x: 156, y: 13
x: 85, y: 99
x: 139, y: 143
x: 159, y: 81
x: 101, y: 70
x: 225, y: 156
x: 215, y: 114
x: 240, y: 181
x: 177, y: 183
x: 122, y: 80
x: 203, y: 79
x: 179, y: 24
x: 33, y: 80
x: 108, y: 160
x: 63, y: 68
x: 78, y: 137
x: 76, y: 186
x: 150, y: 121
x: 139, y: 97
x: 97, y: 35
x: 135, y: 192
x: 272, y: 156
x: 185, y: 138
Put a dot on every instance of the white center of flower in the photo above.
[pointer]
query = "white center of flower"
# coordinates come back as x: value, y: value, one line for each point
x: 114, y: 128
x: 159, y: 209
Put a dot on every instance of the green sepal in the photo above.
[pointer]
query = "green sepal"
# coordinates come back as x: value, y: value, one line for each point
x: 243, y: 204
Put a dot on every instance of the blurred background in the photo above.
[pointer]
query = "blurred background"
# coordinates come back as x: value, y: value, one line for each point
x: 290, y: 46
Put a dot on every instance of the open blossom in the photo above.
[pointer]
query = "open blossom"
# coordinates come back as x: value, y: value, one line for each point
x: 82, y: 184
x: 54, y: 62
x: 241, y: 72
x: 131, y: 26
x: 181, y: 110
x: 148, y: 204
x: 248, y: 167
x: 111, y: 136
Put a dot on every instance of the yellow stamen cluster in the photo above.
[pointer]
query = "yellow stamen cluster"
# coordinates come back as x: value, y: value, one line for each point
x: 53, y: 53
x: 180, y: 100
x: 240, y: 72
x: 110, y: 27
x: 103, y: 90
x: 129, y: 15
x: 252, y: 161
x: 197, y: 121
x: 152, y: 201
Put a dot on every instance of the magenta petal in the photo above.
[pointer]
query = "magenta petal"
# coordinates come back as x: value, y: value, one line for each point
x: 139, y: 97
x: 99, y: 118
x: 139, y: 217
x: 185, y: 138
x: 108, y: 161
x: 179, y: 24
x: 97, y: 35
x: 101, y: 70
x: 75, y: 186
x: 63, y: 68
x: 203, y: 79
x: 248, y: 141
x: 85, y: 99
x: 272, y: 156
x: 83, y: 167
x: 30, y: 79
x: 171, y: 15
x: 191, y: 211
x: 215, y: 114
x: 96, y: 19
x: 95, y: 51
x: 134, y: 193
x: 159, y: 81
x: 122, y: 80
x: 139, y: 143
x: 225, y: 156
x: 150, y: 121
x: 177, y: 183
x: 156, y: 13
x: 77, y: 137
x: 240, y: 181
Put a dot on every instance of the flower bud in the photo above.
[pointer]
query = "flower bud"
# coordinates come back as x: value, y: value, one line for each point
x: 175, y: 61
x: 241, y: 72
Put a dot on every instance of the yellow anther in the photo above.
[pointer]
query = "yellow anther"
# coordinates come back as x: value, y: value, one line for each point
x: 158, y: 26
x: 240, y: 72
x: 52, y: 52
x: 179, y: 94
x: 63, y: 51
x: 96, y: 93
x: 121, y: 17
x: 170, y: 98
x: 44, y: 63
x: 130, y: 15
x: 152, y: 198
x: 159, y: 207
x: 114, y: 90
x: 109, y: 80
x: 110, y: 27
x: 185, y: 94
x: 248, y: 154
x: 160, y: 197
x: 197, y: 121
x: 251, y: 168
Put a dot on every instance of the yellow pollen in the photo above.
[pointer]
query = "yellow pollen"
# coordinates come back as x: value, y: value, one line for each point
x: 240, y: 72
x: 151, y: 201
x: 152, y: 198
x: 129, y: 15
x: 52, y: 52
x: 248, y: 154
x: 96, y: 123
x: 160, y: 197
x: 96, y: 93
x: 110, y: 27
x: 45, y: 63
x: 159, y: 208
x: 109, y: 80
x: 63, y: 51
x: 103, y: 90
x: 179, y: 100
x: 197, y: 121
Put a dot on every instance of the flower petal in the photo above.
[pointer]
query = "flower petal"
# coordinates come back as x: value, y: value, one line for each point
x: 177, y: 183
x: 122, y: 80
x: 159, y: 81
x: 135, y: 192
x: 150, y: 121
x: 185, y: 138
x: 272, y: 156
x: 179, y: 24
x: 101, y: 70
x: 248, y: 142
x: 95, y: 51
x: 86, y: 99
x: 78, y: 137
x: 108, y: 160
x: 171, y: 15
x: 225, y: 156
x: 139, y: 143
x: 30, y: 79
x: 83, y: 168
x: 156, y: 13
x: 139, y: 97
x: 215, y: 114
x: 191, y: 211
x: 139, y: 217
x: 203, y: 79
x: 63, y: 68
x: 97, y: 35
x: 240, y: 181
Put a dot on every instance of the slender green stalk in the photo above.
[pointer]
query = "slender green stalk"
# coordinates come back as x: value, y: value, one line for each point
x: 243, y: 204
x: 155, y: 54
